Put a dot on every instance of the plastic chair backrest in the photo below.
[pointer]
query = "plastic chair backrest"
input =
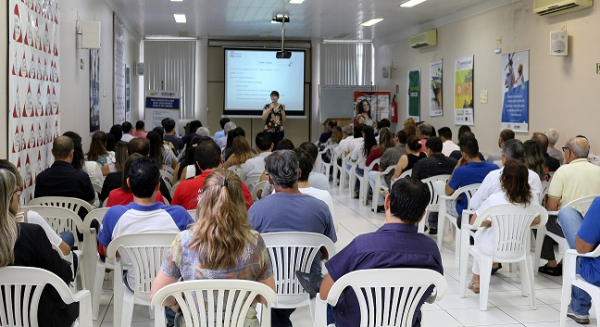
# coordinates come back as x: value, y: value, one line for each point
x: 146, y: 253
x: 173, y: 188
x: 168, y: 169
x: 292, y: 251
x: 192, y: 213
x: 97, y: 215
x: 582, y: 204
x: 73, y: 204
x: 255, y: 190
x: 22, y: 287
x: 512, y: 227
x: 60, y: 219
x: 236, y: 169
x: 389, y: 297
x: 230, y: 299
x: 97, y: 187
x: 435, y: 198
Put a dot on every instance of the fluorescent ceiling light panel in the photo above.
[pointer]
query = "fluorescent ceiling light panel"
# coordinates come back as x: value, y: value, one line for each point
x: 180, y: 18
x: 176, y: 0
x: 296, y: 2
x: 371, y: 22
x: 411, y: 3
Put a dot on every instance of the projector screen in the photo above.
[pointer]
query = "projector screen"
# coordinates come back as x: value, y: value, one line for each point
x: 251, y: 76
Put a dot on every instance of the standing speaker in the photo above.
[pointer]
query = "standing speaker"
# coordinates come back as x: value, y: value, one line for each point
x: 559, y: 43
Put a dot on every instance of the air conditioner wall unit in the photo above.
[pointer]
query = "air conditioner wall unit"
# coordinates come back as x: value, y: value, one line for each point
x: 557, y: 7
x: 425, y: 39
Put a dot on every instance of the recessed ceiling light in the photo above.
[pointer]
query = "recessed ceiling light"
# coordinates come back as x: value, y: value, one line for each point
x: 412, y: 3
x: 176, y: 0
x: 296, y: 2
x: 180, y: 18
x: 371, y: 22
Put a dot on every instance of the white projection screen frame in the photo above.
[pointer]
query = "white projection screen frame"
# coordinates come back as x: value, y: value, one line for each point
x: 252, y: 74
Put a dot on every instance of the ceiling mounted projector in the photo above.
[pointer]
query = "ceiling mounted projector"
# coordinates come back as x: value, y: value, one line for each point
x: 282, y: 18
x: 283, y: 54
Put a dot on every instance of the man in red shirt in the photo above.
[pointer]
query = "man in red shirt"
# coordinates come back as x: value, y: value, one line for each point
x: 208, y: 158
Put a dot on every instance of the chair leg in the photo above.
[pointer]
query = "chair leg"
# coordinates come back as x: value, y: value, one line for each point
x: 128, y: 304
x: 464, y: 264
x: 119, y: 287
x: 531, y: 281
x: 525, y: 282
x: 441, y: 223
x: 97, y: 289
x: 456, y: 242
x: 375, y: 199
x: 485, y: 267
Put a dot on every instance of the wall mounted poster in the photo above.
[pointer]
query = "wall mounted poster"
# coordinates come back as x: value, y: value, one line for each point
x: 378, y: 102
x: 436, y: 107
x: 119, y: 70
x: 515, y: 91
x: 94, y: 90
x: 414, y: 95
x: 463, y: 92
x: 34, y: 87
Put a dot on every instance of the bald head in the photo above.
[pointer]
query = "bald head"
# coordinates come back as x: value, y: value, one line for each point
x: 62, y: 148
x: 579, y: 147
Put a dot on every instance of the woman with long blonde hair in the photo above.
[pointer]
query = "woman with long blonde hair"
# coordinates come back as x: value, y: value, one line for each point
x: 241, y: 152
x: 27, y: 245
x: 220, y: 245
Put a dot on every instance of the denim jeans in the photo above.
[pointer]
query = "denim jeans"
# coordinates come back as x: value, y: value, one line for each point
x: 69, y: 239
x: 571, y: 220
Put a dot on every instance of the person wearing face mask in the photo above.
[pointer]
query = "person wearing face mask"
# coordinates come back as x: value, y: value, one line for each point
x: 274, y: 116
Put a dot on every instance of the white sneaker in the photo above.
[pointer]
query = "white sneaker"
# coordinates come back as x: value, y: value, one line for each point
x: 580, y: 319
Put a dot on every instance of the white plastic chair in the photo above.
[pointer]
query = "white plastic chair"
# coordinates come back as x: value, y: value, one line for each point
x: 440, y: 189
x: 74, y: 204
x: 236, y: 169
x: 378, y: 188
x: 336, y: 168
x: 173, y: 188
x: 581, y: 205
x: 364, y: 181
x: 321, y: 165
x: 344, y: 172
x: 404, y: 174
x: 64, y: 220
x: 91, y: 263
x: 511, y: 225
x: 387, y: 297
x: 192, y: 213
x: 230, y: 298
x: 146, y: 253
x: 22, y: 288
x: 571, y: 278
x: 433, y: 205
x: 97, y: 187
x: 255, y: 190
x: 168, y: 169
x: 289, y: 252
x: 167, y: 176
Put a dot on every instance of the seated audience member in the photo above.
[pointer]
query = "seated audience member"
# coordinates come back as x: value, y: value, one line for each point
x: 139, y: 129
x: 123, y: 195
x: 254, y: 167
x: 268, y: 189
x: 186, y: 168
x: 222, y: 141
x: 542, y: 140
x: 574, y: 180
x: 171, y: 133
x: 360, y: 153
x: 203, y: 131
x: 158, y: 152
x: 424, y: 131
x: 301, y: 212
x: 511, y: 150
x: 466, y: 133
x: 505, y: 135
x: 435, y: 164
x: 445, y: 134
x: 345, y: 142
x: 287, y: 145
x: 62, y: 178
x: 115, y: 179
x: 127, y: 129
x: 390, y: 157
x: 397, y: 244
x: 515, y: 190
x: 327, y: 134
x: 408, y: 160
x: 27, y: 245
x: 357, y: 141
x: 190, y: 130
x: 219, y: 245
x: 208, y: 158
x: 142, y: 146
x: 222, y: 132
x: 383, y: 123
x: 117, y: 132
x: 92, y: 168
x: 469, y: 170
x: 305, y: 164
x: 99, y: 154
x: 534, y: 159
x: 385, y: 141
x: 241, y: 153
x: 334, y: 141
x: 144, y: 214
x: 111, y: 142
x: 316, y: 179
x: 553, y: 134
x: 582, y: 234
x: 231, y: 135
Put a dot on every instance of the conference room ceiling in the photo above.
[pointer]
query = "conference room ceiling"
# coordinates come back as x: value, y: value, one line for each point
x: 313, y: 19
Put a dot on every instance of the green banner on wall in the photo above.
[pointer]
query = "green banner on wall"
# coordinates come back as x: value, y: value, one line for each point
x: 414, y: 94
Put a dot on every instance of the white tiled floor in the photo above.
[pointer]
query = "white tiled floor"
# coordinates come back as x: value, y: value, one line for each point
x: 506, y: 306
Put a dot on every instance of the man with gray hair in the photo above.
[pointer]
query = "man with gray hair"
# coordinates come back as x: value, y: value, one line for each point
x: 203, y: 131
x: 222, y: 141
x: 346, y: 142
x: 576, y: 179
x: 553, y: 134
x: 511, y: 150
x: 288, y: 210
x: 424, y: 131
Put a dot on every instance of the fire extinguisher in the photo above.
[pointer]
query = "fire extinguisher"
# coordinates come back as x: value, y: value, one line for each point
x: 394, y: 110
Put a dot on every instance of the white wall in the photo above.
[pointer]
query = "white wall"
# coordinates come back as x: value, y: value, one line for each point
x: 74, y: 83
x: 564, y: 91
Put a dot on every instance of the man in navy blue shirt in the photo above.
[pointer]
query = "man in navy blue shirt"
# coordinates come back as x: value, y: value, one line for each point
x: 397, y: 244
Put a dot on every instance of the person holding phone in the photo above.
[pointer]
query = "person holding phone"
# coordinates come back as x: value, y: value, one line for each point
x: 274, y: 116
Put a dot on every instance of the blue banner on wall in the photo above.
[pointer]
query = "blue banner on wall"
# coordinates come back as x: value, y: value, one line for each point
x: 515, y: 91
